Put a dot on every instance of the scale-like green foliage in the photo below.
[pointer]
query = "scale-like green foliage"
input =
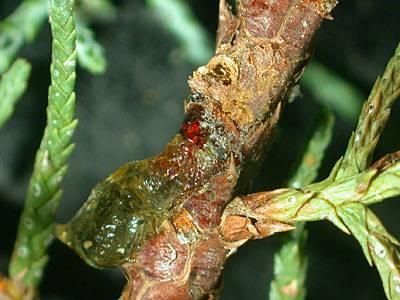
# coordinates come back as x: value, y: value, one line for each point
x: 379, y: 247
x: 307, y: 170
x: 344, y: 203
x: 372, y: 121
x: 35, y: 230
x: 343, y: 197
x: 12, y: 86
x: 90, y: 52
x: 290, y: 267
x: 290, y: 262
x: 353, y: 184
x: 24, y: 23
x: 20, y: 27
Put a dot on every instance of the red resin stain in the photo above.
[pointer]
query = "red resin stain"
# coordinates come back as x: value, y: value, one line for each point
x: 192, y: 131
x: 206, y: 207
x: 201, y: 208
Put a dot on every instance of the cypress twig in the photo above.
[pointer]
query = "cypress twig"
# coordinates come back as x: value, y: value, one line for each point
x: 344, y: 204
x: 290, y: 262
x: 24, y: 23
x: 379, y: 247
x: 290, y: 267
x: 177, y: 17
x: 320, y: 201
x: 90, y: 52
x: 325, y: 85
x: 372, y: 120
x: 20, y: 27
x: 35, y: 230
x: 12, y: 86
x: 307, y: 170
x: 343, y: 196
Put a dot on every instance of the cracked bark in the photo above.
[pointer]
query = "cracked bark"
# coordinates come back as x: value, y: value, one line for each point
x: 234, y: 105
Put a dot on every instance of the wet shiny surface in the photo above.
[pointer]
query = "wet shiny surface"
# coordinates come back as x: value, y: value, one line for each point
x: 130, y: 205
x: 120, y: 212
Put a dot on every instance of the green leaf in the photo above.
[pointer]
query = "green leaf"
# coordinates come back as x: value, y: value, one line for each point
x: 35, y: 230
x: 319, y: 201
x: 12, y: 86
x: 343, y: 202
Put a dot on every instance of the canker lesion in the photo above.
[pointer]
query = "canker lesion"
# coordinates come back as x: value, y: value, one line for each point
x: 223, y: 69
x: 222, y: 74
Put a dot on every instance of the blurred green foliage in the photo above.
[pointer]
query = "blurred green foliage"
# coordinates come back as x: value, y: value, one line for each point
x: 12, y: 85
x: 20, y: 27
x: 290, y: 262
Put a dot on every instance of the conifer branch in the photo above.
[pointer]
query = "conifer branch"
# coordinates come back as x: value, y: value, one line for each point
x: 90, y: 53
x: 12, y: 86
x: 23, y: 24
x: 290, y: 267
x: 290, y: 262
x: 177, y: 17
x: 35, y: 231
x: 342, y: 198
x: 379, y: 247
x: 19, y: 28
x: 372, y: 121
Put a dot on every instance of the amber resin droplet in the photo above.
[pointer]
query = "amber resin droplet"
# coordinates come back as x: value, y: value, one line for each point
x: 120, y: 212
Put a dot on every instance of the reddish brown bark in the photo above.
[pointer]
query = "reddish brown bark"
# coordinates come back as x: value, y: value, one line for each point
x: 235, y: 102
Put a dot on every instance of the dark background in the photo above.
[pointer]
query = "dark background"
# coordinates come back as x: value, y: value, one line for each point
x: 132, y: 110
